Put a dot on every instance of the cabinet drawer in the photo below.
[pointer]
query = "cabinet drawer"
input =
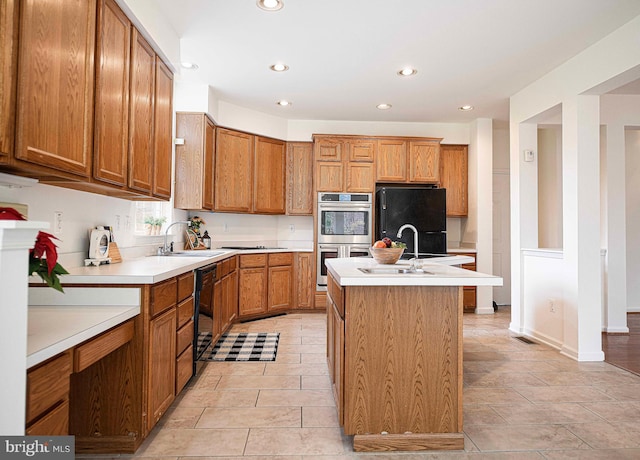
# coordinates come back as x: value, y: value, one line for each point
x: 185, y: 337
x: 281, y: 258
x: 96, y: 349
x: 469, y: 267
x: 227, y: 266
x: 163, y: 296
x: 253, y: 260
x: 48, y: 384
x: 469, y: 297
x: 184, y: 368
x: 185, y: 285
x: 185, y: 311
x: 55, y: 423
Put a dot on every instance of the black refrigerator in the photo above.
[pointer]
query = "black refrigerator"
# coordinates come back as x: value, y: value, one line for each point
x: 424, y: 208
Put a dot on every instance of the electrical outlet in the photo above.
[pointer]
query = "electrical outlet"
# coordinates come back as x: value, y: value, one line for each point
x: 117, y: 222
x: 127, y: 223
x: 292, y: 228
x: 225, y: 228
x: 552, y: 305
x: 57, y: 222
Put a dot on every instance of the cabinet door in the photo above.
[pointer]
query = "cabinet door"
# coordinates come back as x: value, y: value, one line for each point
x: 143, y: 65
x: 8, y: 68
x: 304, y: 285
x: 328, y: 150
x: 163, y: 130
x: 338, y: 348
x: 280, y: 287
x: 300, y: 178
x: 268, y: 176
x: 111, y: 132
x: 359, y: 177
x: 252, y: 291
x: 362, y: 150
x: 209, y: 152
x: 234, y: 163
x: 453, y: 177
x: 162, y: 365
x: 329, y: 176
x: 424, y: 161
x: 55, y: 126
x: 231, y: 291
x: 391, y: 161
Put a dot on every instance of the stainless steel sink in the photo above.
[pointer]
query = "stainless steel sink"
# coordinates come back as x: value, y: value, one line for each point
x: 394, y: 271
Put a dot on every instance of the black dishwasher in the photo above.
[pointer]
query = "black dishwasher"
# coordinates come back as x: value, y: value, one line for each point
x: 203, y: 316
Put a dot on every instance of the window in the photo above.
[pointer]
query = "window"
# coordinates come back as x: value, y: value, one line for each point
x: 149, y: 212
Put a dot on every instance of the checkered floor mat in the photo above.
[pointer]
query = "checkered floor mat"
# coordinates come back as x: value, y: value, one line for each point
x: 251, y: 346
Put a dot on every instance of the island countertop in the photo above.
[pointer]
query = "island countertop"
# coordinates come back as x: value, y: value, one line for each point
x: 347, y: 272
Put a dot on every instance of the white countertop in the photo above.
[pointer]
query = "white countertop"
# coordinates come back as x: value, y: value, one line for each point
x: 346, y: 272
x: 57, y: 321
x: 151, y: 269
x: 54, y: 329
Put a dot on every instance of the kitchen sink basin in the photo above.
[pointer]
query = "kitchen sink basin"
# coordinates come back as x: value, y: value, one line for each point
x: 194, y: 253
x: 394, y: 271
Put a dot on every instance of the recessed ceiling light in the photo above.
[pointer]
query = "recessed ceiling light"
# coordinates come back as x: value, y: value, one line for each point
x: 466, y: 108
x: 284, y: 103
x: 384, y: 106
x: 279, y: 67
x: 189, y: 65
x: 270, y: 5
x: 407, y: 72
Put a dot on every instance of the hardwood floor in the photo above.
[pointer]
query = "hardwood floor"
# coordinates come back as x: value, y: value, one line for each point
x: 623, y: 350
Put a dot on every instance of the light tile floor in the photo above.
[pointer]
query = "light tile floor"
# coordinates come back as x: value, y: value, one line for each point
x: 521, y: 401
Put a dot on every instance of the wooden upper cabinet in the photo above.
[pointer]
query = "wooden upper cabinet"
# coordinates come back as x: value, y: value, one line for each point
x: 233, y: 166
x: 143, y: 65
x: 424, y: 161
x: 8, y: 68
x: 111, y: 132
x: 163, y: 131
x: 329, y: 176
x: 300, y: 178
x: 56, y: 84
x: 269, y: 176
x: 454, y: 178
x: 194, y: 161
x: 359, y: 177
x: 391, y: 161
x: 328, y: 149
x: 362, y: 150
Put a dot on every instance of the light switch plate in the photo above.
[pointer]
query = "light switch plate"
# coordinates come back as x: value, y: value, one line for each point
x: 528, y: 155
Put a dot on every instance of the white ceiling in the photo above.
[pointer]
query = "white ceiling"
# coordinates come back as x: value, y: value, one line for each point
x: 344, y: 54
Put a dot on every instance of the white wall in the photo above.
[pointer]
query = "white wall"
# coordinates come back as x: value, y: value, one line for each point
x: 575, y: 86
x: 550, y: 187
x: 632, y: 155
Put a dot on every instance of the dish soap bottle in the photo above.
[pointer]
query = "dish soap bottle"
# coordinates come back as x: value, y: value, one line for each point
x: 206, y: 240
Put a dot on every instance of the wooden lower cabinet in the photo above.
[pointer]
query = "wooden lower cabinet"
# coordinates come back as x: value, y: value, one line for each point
x: 469, y: 292
x: 265, y: 283
x: 162, y: 364
x: 304, y: 286
x: 225, y: 304
x: 48, y: 385
x: 396, y: 373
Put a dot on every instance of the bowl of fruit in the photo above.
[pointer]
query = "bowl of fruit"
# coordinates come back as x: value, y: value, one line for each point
x: 385, y: 251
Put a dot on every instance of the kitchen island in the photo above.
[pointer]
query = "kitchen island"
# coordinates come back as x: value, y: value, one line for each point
x: 394, y: 350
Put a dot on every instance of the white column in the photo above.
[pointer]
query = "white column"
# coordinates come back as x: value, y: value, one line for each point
x: 616, y: 312
x: 16, y: 238
x: 524, y: 212
x: 581, y: 225
x: 481, y: 171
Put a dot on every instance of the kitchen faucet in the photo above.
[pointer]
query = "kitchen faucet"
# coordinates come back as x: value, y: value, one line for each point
x: 165, y: 249
x: 415, y: 237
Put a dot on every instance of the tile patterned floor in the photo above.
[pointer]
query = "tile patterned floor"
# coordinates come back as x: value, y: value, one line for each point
x: 520, y: 402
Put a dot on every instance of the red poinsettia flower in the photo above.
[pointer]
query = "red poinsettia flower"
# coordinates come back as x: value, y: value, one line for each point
x: 46, y: 267
x: 44, y: 246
